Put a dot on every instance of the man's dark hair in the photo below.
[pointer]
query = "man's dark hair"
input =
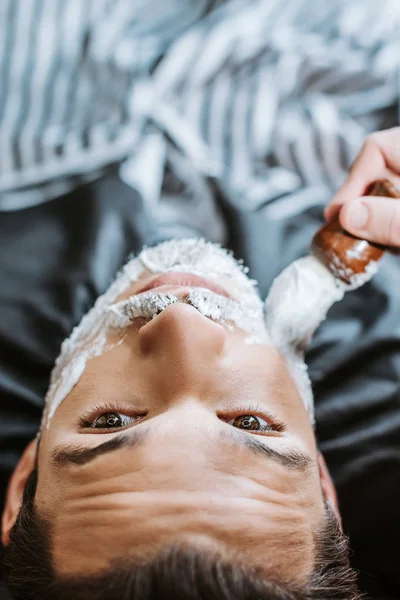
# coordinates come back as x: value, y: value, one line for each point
x: 178, y: 573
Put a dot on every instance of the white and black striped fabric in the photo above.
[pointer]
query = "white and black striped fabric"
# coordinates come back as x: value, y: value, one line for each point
x: 267, y: 97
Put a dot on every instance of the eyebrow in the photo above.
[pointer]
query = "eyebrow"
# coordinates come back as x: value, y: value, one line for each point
x: 81, y: 455
x: 291, y: 459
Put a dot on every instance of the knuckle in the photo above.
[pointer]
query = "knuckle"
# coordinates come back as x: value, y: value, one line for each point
x: 380, y: 139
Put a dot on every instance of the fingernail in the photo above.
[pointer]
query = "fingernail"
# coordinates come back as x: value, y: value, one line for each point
x: 357, y: 215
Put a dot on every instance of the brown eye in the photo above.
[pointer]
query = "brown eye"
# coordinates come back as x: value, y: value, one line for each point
x: 110, y: 420
x: 250, y: 423
x: 253, y: 422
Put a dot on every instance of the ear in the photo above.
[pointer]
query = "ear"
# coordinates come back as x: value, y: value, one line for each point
x: 328, y: 488
x: 15, y: 491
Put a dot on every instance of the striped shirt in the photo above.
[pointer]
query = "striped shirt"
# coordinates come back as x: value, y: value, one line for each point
x: 268, y: 99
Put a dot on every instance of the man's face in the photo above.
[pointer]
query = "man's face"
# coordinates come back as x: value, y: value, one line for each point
x: 182, y: 431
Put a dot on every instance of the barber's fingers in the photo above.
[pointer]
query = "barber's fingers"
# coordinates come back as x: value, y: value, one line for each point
x: 373, y: 218
x: 378, y: 159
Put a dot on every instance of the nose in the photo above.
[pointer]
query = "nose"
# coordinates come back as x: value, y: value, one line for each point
x: 182, y: 331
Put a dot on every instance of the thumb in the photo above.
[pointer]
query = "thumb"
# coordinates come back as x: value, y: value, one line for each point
x: 373, y: 219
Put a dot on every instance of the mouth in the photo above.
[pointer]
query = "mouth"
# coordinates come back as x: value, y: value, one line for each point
x: 181, y: 283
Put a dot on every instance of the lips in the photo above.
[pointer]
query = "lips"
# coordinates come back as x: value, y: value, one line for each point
x: 182, y: 280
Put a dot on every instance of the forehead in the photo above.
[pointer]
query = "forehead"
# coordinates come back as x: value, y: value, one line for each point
x: 140, y: 499
x: 122, y: 516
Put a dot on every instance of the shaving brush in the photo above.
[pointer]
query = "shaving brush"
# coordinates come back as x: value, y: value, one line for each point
x: 348, y: 257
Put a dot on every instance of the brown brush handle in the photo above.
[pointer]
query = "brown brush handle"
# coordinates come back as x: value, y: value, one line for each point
x: 344, y: 254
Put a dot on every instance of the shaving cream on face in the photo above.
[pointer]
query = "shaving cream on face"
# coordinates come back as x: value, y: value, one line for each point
x: 217, y: 308
x: 89, y: 338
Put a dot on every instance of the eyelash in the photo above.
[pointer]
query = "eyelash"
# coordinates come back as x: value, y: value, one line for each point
x: 257, y: 411
x: 87, y: 419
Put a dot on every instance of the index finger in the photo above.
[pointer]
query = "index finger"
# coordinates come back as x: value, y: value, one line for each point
x: 379, y: 155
